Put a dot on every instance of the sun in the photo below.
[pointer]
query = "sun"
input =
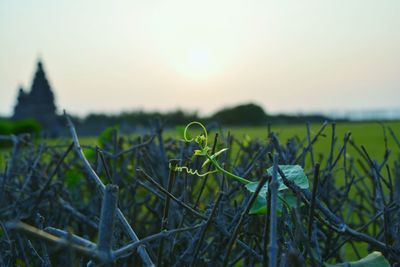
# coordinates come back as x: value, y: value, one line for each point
x: 199, y: 61
x: 195, y: 63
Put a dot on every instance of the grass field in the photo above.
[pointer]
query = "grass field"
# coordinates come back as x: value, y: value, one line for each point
x: 369, y: 134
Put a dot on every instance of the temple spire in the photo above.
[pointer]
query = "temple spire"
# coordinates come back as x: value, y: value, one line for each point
x: 39, y: 65
x: 38, y: 103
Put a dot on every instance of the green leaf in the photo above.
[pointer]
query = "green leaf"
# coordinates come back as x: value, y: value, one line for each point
x: 375, y: 259
x: 293, y: 173
x: 260, y: 204
x: 198, y: 152
x: 290, y: 199
x: 201, y: 152
x: 253, y: 186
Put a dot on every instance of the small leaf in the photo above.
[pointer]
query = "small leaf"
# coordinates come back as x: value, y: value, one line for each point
x: 375, y: 259
x: 201, y: 152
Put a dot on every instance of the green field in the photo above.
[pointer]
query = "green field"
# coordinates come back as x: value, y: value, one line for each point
x: 369, y: 134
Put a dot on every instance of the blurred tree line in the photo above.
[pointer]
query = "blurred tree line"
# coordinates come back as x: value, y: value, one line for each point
x: 241, y: 115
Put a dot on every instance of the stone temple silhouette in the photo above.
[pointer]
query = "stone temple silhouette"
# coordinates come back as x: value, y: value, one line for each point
x: 38, y: 103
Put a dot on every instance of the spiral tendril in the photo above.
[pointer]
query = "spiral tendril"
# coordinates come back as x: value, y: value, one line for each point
x: 198, y: 139
x: 190, y: 171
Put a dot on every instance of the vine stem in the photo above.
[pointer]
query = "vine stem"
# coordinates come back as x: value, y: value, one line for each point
x: 234, y: 176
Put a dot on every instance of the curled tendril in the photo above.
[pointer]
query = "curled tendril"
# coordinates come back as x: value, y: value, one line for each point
x: 200, y: 139
x: 190, y: 171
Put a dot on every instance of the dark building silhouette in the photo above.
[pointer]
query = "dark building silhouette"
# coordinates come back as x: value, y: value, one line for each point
x: 38, y: 103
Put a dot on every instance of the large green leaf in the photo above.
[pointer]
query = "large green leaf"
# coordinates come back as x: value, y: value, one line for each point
x: 293, y: 173
x: 375, y: 259
x: 260, y: 204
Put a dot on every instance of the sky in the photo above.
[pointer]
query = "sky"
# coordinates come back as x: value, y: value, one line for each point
x: 288, y: 56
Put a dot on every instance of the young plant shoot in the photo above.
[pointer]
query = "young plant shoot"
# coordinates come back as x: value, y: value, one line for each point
x: 295, y: 173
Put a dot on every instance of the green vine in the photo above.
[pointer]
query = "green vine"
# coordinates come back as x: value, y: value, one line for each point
x: 204, y: 150
x: 294, y: 172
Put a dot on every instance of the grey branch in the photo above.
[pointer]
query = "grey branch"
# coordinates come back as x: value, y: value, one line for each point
x: 92, y: 174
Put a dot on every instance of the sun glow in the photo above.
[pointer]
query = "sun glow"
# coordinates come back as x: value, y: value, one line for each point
x: 197, y: 63
x: 194, y: 62
x: 188, y: 47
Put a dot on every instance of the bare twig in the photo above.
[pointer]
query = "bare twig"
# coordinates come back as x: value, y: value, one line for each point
x: 74, y: 238
x: 273, y: 243
x: 163, y: 234
x: 106, y: 227
x: 313, y: 197
x: 164, y: 220
x: 164, y: 191
x: 58, y: 242
x: 204, y: 230
x: 242, y: 216
x: 128, y: 229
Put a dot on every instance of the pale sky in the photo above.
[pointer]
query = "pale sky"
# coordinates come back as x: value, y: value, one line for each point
x: 202, y: 55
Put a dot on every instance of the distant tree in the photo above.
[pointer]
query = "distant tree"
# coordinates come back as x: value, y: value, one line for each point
x: 246, y: 114
x: 30, y: 126
x: 26, y: 126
